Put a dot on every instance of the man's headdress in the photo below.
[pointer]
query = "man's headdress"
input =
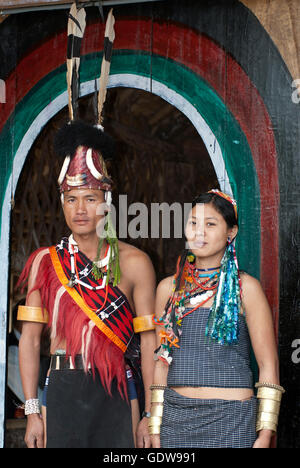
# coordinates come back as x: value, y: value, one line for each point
x: 84, y: 147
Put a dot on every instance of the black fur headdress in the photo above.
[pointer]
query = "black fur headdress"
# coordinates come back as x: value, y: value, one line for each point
x: 79, y: 133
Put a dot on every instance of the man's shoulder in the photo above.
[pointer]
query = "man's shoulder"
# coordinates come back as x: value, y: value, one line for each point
x: 130, y: 252
x: 37, y: 254
x: 132, y: 257
x: 41, y: 250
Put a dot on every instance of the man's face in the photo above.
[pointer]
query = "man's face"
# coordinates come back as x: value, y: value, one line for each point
x: 80, y: 209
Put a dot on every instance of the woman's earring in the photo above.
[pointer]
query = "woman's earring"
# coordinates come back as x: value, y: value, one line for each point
x: 191, y: 257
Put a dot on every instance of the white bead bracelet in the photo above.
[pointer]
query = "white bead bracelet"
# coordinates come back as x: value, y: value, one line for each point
x: 32, y: 406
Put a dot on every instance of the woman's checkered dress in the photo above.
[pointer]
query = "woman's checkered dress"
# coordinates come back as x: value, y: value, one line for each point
x: 193, y: 422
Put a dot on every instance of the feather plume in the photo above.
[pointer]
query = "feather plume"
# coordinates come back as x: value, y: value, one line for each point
x: 106, y: 61
x: 76, y: 28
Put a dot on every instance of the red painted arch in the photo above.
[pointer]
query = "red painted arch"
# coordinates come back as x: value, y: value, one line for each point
x: 200, y: 54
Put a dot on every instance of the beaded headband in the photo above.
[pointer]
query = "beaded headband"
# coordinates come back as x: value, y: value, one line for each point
x: 226, y: 197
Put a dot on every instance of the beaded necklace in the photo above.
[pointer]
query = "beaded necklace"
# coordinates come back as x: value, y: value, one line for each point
x: 207, y: 269
x: 194, y: 291
x: 73, y: 249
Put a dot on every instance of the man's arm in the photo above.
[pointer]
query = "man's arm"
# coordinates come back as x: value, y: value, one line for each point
x: 29, y: 358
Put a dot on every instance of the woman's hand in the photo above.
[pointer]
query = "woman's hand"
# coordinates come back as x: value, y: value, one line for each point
x: 142, y: 436
x: 155, y: 441
x: 264, y: 439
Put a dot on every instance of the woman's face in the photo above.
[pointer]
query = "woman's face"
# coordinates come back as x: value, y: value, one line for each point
x: 207, y: 231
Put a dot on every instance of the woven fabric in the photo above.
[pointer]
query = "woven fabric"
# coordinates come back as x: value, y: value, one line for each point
x: 199, y: 423
x: 200, y: 363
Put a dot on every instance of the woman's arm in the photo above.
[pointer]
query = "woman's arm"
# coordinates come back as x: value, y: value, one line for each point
x: 261, y: 330
x: 163, y: 293
x: 144, y: 299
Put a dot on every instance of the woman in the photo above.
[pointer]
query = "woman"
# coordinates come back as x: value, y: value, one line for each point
x: 207, y: 316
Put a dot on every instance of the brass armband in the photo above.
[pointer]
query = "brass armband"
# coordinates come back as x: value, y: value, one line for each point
x: 157, y: 396
x: 154, y: 424
x: 154, y: 428
x: 269, y: 397
x: 157, y: 411
x: 32, y: 314
x: 143, y: 323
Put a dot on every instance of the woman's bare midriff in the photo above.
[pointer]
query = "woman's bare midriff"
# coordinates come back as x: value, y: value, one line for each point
x: 213, y: 393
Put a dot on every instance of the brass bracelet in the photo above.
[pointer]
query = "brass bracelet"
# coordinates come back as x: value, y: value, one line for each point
x: 269, y: 406
x: 154, y: 430
x: 154, y: 421
x: 269, y: 398
x: 270, y: 385
x: 154, y: 424
x: 157, y: 396
x: 269, y: 394
x: 267, y: 417
x: 260, y: 425
x: 158, y: 387
x: 157, y: 410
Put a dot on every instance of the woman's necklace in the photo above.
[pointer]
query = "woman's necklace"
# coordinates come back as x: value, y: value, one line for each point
x: 207, y: 269
x: 195, y: 291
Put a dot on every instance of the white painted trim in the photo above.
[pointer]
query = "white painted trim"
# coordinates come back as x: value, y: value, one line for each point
x: 182, y: 104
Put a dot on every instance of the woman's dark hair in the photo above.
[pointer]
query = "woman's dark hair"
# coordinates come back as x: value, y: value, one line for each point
x: 223, y: 206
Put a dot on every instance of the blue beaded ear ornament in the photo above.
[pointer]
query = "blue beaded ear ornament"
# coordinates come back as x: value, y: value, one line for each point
x: 223, y: 322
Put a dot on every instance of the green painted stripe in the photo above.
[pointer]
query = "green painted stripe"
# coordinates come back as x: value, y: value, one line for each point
x: 237, y: 155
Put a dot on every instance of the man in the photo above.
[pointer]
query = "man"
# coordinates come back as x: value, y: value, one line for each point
x: 93, y: 291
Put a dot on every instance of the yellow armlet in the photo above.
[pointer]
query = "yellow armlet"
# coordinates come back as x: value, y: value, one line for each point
x: 143, y: 323
x: 32, y: 314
